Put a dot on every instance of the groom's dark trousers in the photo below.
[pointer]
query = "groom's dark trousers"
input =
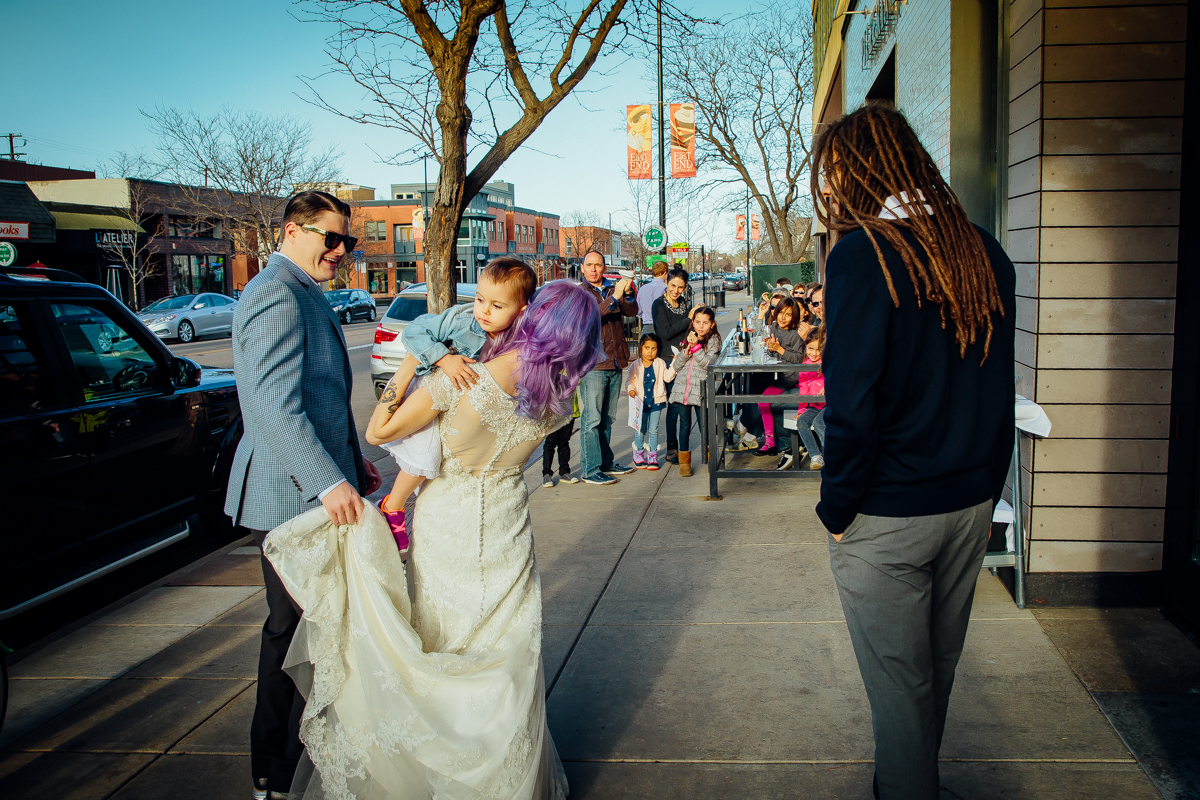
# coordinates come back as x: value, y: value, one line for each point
x: 294, y: 385
x: 275, y: 732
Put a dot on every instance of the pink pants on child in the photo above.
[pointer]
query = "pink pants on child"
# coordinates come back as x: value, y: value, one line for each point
x: 767, y: 417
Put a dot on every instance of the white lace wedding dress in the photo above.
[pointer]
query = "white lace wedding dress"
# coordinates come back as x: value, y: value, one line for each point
x: 427, y: 682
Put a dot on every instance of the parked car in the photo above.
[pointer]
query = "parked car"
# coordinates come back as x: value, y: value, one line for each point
x: 389, y: 351
x: 189, y: 316
x: 735, y: 281
x: 110, y: 442
x: 351, y: 304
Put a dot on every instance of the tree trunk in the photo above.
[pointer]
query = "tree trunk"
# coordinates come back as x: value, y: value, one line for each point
x: 449, y: 202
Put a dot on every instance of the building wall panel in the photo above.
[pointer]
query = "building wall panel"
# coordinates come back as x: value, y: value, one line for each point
x: 1026, y: 39
x: 1130, y: 351
x: 1027, y: 314
x: 1023, y: 245
x: 1112, y: 136
x: 1025, y: 110
x: 1112, y: 99
x: 1025, y: 347
x: 1114, y: 62
x: 1027, y: 278
x: 1094, y: 556
x: 1099, y: 490
x: 1024, y: 211
x: 1106, y: 315
x: 1107, y: 209
x: 1098, y: 524
x: 1107, y: 280
x: 1100, y: 455
x: 1119, y: 386
x: 1107, y: 421
x: 1026, y: 75
x: 1117, y: 25
x: 1117, y: 172
x: 1109, y: 244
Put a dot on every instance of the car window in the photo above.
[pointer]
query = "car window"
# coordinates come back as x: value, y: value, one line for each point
x: 407, y: 308
x: 220, y: 300
x: 108, y: 359
x: 203, y: 301
x: 24, y: 381
x: 170, y: 303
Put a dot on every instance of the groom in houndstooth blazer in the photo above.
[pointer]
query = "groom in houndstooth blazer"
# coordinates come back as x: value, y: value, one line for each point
x: 300, y: 446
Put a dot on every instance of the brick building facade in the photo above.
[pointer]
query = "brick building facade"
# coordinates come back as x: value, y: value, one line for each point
x: 1062, y: 125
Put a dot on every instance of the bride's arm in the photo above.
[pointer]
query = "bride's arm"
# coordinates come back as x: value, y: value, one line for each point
x: 396, y: 417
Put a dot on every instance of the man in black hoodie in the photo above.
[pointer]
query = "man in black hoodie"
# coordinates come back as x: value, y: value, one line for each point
x: 919, y: 425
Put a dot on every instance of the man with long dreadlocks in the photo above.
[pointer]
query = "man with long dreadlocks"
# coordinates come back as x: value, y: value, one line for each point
x: 918, y: 367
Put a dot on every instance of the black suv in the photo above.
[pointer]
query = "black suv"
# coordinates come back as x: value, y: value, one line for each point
x: 351, y: 304
x: 109, y: 441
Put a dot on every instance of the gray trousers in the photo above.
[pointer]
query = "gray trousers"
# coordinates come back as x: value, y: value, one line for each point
x: 906, y: 586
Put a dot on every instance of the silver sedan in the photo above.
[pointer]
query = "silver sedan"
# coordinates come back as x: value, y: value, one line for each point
x: 188, y: 316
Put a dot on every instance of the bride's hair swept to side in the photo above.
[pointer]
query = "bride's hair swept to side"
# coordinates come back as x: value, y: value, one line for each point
x: 558, y: 338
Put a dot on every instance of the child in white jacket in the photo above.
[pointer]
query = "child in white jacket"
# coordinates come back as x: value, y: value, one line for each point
x: 647, y: 383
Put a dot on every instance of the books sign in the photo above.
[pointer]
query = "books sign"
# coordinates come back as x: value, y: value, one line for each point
x: 14, y: 230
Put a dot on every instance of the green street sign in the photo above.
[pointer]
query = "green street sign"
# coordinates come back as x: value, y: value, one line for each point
x: 8, y: 254
x: 654, y: 237
x: 652, y: 260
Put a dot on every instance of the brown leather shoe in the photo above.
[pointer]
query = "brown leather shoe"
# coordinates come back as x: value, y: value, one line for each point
x: 685, y: 464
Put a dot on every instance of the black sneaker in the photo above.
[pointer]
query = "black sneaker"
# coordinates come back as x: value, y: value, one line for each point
x: 617, y: 469
x: 785, y: 461
x: 548, y: 481
x: 600, y: 479
x: 767, y: 450
x: 566, y: 477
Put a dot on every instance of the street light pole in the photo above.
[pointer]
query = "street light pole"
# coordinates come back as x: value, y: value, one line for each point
x: 662, y: 159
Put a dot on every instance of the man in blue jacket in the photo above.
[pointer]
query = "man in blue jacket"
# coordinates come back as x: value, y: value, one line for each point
x: 919, y: 389
x: 300, y: 447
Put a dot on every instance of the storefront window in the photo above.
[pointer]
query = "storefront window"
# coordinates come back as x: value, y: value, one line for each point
x: 406, y: 274
x: 195, y: 274
x: 377, y: 281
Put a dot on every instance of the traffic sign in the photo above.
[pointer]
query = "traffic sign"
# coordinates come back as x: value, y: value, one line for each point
x: 8, y: 254
x: 359, y: 253
x: 654, y: 237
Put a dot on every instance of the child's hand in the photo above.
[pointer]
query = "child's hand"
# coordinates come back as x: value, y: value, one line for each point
x: 693, y: 338
x: 457, y: 368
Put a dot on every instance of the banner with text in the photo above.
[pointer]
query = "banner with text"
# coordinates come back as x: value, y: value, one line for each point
x: 741, y: 227
x: 755, y: 227
x: 683, y: 140
x: 639, y: 128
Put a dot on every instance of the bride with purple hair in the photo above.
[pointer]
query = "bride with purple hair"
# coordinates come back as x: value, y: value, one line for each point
x: 424, y: 680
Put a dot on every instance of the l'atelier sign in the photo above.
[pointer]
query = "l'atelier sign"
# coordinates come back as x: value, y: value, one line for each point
x: 881, y: 21
x: 114, y: 238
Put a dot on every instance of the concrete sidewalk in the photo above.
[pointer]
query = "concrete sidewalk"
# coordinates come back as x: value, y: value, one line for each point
x: 692, y: 649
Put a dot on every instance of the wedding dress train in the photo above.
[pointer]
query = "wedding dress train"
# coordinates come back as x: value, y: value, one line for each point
x: 427, y: 682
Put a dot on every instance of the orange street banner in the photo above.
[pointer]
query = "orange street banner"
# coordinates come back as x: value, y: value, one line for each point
x: 418, y: 224
x: 640, y: 124
x: 741, y: 227
x: 755, y: 228
x: 683, y: 140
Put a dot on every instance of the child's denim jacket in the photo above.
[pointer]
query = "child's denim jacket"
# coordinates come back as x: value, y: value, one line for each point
x: 429, y: 337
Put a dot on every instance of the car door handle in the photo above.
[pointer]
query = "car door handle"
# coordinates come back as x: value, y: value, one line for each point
x: 113, y: 426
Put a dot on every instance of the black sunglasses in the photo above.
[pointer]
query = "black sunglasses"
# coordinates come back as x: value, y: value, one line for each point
x: 332, y: 239
x: 814, y: 302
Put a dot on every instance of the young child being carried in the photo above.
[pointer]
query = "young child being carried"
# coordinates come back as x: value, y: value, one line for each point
x: 451, y: 341
x: 647, y: 382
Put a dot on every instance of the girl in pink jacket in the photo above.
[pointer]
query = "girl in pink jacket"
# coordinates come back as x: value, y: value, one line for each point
x: 809, y: 415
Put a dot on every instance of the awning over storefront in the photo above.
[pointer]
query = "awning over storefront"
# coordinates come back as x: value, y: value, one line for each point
x: 75, y: 221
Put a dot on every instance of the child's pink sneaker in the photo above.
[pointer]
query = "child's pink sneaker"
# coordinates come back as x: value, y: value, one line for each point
x: 398, y: 525
x: 652, y: 460
x: 639, y: 461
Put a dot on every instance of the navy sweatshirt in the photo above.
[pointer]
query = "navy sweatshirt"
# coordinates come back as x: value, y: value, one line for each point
x: 911, y: 428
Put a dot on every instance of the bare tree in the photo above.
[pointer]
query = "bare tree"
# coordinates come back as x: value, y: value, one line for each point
x: 240, y: 168
x: 752, y: 81
x: 428, y: 69
x: 585, y: 230
x: 131, y: 248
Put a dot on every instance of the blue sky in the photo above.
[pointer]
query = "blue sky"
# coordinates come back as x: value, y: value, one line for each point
x: 77, y: 73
